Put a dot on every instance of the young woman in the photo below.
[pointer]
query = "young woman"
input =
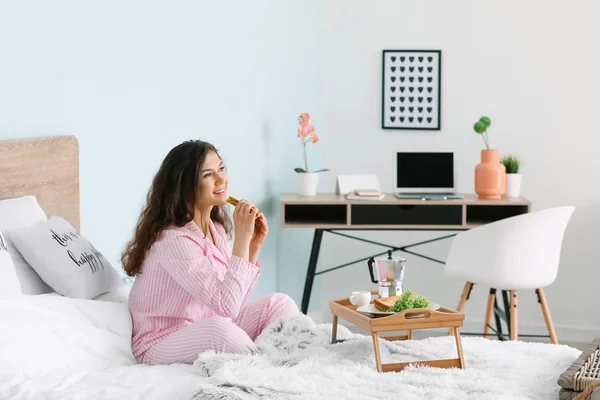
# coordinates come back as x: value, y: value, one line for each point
x: 191, y: 288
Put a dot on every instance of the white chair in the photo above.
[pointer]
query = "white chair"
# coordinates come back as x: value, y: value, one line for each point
x: 512, y: 254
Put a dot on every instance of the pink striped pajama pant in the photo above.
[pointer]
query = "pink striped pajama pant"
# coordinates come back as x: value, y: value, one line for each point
x: 221, y: 334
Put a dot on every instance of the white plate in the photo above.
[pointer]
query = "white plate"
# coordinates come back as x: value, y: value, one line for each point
x: 371, y: 310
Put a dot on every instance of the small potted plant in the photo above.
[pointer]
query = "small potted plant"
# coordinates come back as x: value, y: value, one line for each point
x: 490, y: 174
x: 513, y: 176
x: 308, y: 180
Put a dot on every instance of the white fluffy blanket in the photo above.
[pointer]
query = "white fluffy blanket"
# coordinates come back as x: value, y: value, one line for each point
x: 296, y: 361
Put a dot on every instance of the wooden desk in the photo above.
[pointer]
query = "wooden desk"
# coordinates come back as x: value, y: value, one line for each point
x: 331, y: 213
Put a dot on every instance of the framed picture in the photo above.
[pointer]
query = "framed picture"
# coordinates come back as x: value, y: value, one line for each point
x: 411, y: 89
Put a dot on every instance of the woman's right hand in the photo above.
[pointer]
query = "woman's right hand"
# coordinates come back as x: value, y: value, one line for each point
x: 244, y: 217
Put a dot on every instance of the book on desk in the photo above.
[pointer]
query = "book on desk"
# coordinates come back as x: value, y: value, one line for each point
x: 365, y: 194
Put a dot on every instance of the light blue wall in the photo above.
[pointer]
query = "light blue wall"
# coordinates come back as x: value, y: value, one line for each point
x: 131, y: 79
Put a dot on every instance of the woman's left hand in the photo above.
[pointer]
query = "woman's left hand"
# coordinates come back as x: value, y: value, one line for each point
x: 261, y: 229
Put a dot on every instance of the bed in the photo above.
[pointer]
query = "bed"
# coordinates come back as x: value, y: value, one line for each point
x: 53, y: 345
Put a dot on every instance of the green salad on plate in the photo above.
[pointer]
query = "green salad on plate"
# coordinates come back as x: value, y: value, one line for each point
x: 410, y: 299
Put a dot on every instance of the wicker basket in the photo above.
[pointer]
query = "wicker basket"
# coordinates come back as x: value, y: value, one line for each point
x: 583, y: 373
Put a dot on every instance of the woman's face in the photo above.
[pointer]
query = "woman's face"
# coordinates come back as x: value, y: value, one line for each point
x: 212, y: 188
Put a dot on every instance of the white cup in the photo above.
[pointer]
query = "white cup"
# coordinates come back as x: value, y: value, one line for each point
x: 360, y: 298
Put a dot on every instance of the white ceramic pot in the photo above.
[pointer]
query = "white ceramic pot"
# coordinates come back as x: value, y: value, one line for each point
x: 307, y: 182
x: 513, y: 185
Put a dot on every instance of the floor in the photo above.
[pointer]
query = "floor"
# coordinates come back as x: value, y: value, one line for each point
x: 578, y: 345
x: 421, y: 334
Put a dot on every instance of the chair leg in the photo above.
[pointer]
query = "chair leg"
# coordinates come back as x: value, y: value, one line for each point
x: 464, y: 297
x: 547, y: 316
x: 489, y: 312
x: 463, y: 300
x: 514, y: 316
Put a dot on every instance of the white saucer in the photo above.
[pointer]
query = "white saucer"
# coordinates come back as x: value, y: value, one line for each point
x: 371, y: 310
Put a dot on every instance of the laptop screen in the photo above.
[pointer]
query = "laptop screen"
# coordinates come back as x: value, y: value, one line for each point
x: 425, y: 170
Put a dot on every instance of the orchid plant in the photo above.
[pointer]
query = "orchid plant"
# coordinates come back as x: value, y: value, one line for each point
x: 306, y: 133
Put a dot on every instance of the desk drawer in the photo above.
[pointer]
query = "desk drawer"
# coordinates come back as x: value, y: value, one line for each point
x: 406, y: 214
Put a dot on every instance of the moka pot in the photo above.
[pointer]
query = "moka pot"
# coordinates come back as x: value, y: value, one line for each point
x: 388, y: 273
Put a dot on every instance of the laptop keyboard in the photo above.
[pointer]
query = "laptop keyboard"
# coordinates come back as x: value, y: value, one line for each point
x: 428, y: 194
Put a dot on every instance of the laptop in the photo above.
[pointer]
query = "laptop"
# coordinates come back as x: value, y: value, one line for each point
x: 425, y: 175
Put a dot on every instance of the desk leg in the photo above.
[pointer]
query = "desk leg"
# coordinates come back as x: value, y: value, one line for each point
x: 506, y: 310
x: 498, y: 320
x: 312, y: 267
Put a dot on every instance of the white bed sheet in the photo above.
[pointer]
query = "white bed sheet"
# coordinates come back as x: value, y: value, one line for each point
x: 54, y: 347
x: 160, y: 382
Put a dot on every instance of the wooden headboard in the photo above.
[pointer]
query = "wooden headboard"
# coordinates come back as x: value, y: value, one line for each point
x: 47, y: 168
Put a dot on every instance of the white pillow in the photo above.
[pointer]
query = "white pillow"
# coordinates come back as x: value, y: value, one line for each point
x: 65, y: 259
x: 120, y: 295
x: 22, y: 212
x: 9, y: 283
x: 53, y: 335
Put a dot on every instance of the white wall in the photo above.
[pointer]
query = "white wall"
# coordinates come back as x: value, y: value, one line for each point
x: 132, y: 79
x: 532, y: 66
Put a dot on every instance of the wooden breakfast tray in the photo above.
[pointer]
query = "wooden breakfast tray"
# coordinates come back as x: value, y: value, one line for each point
x: 407, y: 320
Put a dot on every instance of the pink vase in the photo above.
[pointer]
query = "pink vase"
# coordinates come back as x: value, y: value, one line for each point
x: 490, y: 176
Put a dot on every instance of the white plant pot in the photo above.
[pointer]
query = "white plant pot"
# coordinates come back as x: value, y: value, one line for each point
x: 513, y: 185
x: 307, y: 182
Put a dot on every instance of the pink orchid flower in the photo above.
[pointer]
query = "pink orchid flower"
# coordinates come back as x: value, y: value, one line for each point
x: 306, y: 129
x: 304, y: 119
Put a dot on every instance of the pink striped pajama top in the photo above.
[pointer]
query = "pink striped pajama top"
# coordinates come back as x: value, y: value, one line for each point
x: 184, y: 279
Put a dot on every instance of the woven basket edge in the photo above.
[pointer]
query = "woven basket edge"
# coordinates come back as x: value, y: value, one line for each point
x: 565, y: 380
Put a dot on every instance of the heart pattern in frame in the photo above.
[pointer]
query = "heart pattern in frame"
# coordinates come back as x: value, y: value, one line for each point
x: 411, y: 89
